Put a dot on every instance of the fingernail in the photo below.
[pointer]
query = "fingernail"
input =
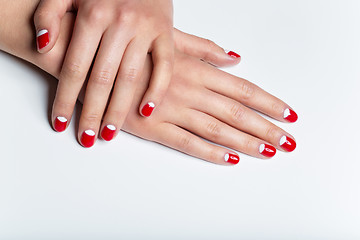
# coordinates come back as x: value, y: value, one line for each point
x: 108, y: 132
x: 60, y: 124
x: 88, y: 138
x: 288, y: 144
x: 290, y: 115
x: 231, y: 158
x: 232, y: 54
x: 42, y: 38
x: 148, y: 109
x: 267, y: 150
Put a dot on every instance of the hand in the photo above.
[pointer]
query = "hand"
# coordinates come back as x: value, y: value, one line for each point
x: 118, y: 34
x: 227, y: 121
x: 209, y: 103
x: 217, y: 107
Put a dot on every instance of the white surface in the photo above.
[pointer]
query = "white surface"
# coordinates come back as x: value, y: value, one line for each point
x: 305, y: 52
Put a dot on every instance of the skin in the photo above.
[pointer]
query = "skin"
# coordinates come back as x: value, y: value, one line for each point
x: 205, y: 102
x: 117, y: 35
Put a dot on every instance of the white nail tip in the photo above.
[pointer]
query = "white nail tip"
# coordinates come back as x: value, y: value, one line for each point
x: 62, y: 119
x: 111, y: 127
x: 262, y: 148
x: 90, y: 132
x: 226, y: 158
x: 42, y: 32
x: 151, y: 104
x: 283, y: 140
x: 286, y: 113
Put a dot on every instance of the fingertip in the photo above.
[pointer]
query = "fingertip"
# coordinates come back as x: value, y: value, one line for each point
x: 147, y: 109
x: 231, y: 158
x: 87, y: 138
x: 108, y: 132
x: 290, y: 115
x: 233, y: 57
x: 60, y: 124
x: 233, y: 54
x: 42, y: 40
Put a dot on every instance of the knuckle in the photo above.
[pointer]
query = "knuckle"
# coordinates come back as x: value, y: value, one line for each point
x: 213, y: 130
x: 212, y: 155
x: 41, y: 15
x: 117, y: 114
x: 125, y: 15
x: 103, y: 78
x: 247, y: 145
x: 237, y: 112
x: 246, y: 90
x: 131, y: 75
x: 92, y: 119
x: 167, y: 63
x: 63, y: 106
x: 95, y: 14
x: 270, y: 133
x: 210, y: 45
x: 184, y: 142
x: 72, y: 71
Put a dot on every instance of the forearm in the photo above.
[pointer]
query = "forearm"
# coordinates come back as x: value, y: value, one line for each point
x: 17, y: 35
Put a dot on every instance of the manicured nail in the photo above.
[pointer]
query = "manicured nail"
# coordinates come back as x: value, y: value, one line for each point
x: 232, y: 54
x: 88, y: 138
x: 108, y: 132
x: 148, y: 109
x: 267, y: 150
x: 231, y: 158
x: 42, y: 38
x: 60, y: 124
x: 290, y: 115
x: 288, y: 144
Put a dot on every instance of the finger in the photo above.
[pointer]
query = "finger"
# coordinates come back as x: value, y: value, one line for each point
x: 205, y: 49
x: 100, y: 83
x: 163, y: 59
x: 76, y: 65
x: 249, y: 94
x: 186, y: 142
x: 129, y: 74
x: 244, y: 119
x: 210, y: 128
x: 47, y: 19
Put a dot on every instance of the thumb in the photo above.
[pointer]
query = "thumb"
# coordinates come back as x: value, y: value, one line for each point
x: 47, y: 19
x: 205, y: 50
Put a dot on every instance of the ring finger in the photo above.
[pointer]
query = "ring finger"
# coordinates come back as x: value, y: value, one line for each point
x: 129, y: 74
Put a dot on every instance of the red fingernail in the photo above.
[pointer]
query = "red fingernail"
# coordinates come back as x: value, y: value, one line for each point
x: 267, y: 150
x: 42, y: 39
x: 290, y: 115
x: 60, y: 124
x: 232, y: 158
x: 287, y: 144
x: 108, y: 132
x: 88, y: 138
x: 233, y: 54
x: 148, y: 109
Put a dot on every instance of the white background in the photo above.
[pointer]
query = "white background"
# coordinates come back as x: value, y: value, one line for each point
x: 305, y: 52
